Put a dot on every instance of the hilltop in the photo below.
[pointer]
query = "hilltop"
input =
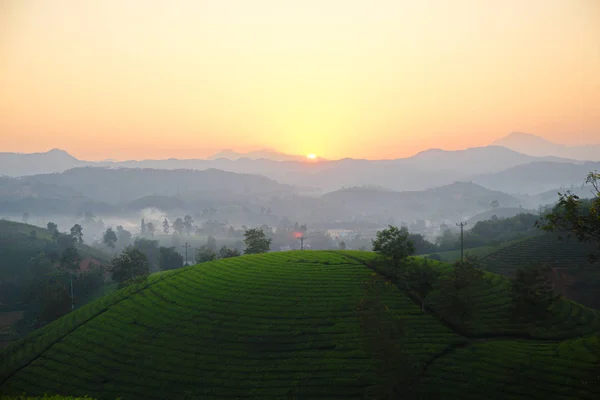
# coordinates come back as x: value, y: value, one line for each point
x: 302, y: 325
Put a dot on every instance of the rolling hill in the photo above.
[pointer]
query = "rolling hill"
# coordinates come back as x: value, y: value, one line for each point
x: 573, y: 274
x: 301, y: 325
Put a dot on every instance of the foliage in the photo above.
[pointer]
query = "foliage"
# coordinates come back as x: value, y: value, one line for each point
x: 70, y: 259
x: 458, y: 287
x: 393, y: 243
x: 129, y: 264
x: 169, y: 258
x: 53, y: 229
x: 310, y: 342
x: 77, y: 233
x: 532, y: 292
x: 226, y: 252
x: 109, y: 238
x: 205, y: 254
x: 577, y: 217
x: 256, y: 241
x: 421, y: 278
x: 149, y: 248
x: 166, y: 226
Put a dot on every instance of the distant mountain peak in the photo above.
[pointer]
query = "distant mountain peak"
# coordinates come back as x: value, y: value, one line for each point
x: 538, y: 146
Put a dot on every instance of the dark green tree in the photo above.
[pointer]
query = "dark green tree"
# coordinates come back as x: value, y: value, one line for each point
x: 166, y: 226
x: 143, y: 228
x: 226, y: 252
x: 532, y: 292
x: 109, y: 238
x: 70, y: 259
x: 577, y: 217
x: 256, y: 241
x: 169, y: 258
x: 77, y: 233
x: 53, y: 229
x: 459, y: 286
x: 204, y: 254
x: 129, y: 264
x: 393, y: 244
x: 421, y: 279
x: 150, y: 249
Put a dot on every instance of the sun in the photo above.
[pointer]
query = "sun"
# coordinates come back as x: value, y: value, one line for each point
x: 311, y: 156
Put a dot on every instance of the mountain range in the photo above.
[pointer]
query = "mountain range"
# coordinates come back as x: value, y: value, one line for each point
x: 495, y: 167
x: 537, y: 146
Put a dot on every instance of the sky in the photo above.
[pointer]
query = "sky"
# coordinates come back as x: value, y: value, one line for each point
x: 135, y: 79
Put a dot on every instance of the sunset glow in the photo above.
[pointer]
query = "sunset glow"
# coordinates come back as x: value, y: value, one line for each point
x: 141, y: 79
x: 311, y: 156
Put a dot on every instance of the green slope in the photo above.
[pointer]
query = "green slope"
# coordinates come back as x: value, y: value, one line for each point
x: 284, y: 325
x: 574, y: 276
x: 18, y: 246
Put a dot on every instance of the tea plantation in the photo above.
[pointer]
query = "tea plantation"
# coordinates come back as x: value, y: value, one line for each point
x: 578, y: 279
x: 302, y: 324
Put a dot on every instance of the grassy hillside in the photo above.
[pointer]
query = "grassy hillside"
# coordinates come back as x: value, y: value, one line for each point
x: 480, y: 252
x: 18, y: 245
x: 299, y: 325
x: 573, y: 274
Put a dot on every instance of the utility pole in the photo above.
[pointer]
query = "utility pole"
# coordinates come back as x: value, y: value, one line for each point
x: 187, y: 246
x: 462, y: 242
x: 301, y: 242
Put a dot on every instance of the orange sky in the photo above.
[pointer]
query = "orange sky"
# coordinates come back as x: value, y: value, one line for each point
x: 340, y: 78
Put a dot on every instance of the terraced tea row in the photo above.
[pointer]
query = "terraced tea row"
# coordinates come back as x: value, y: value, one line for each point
x: 256, y: 326
x: 517, y: 370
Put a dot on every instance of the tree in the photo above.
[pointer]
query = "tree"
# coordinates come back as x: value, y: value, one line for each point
x: 575, y: 216
x: 205, y: 254
x: 421, y: 278
x: 166, y: 226
x: 532, y: 292
x: 70, y: 259
x: 169, y: 258
x: 178, y: 226
x: 458, y: 286
x: 226, y: 252
x: 143, y: 228
x: 109, y: 238
x: 150, y: 228
x: 495, y: 204
x: 393, y: 243
x: 150, y: 249
x: 128, y: 265
x: 53, y: 229
x: 25, y: 218
x: 342, y: 245
x: 188, y: 224
x: 256, y: 241
x: 77, y: 233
